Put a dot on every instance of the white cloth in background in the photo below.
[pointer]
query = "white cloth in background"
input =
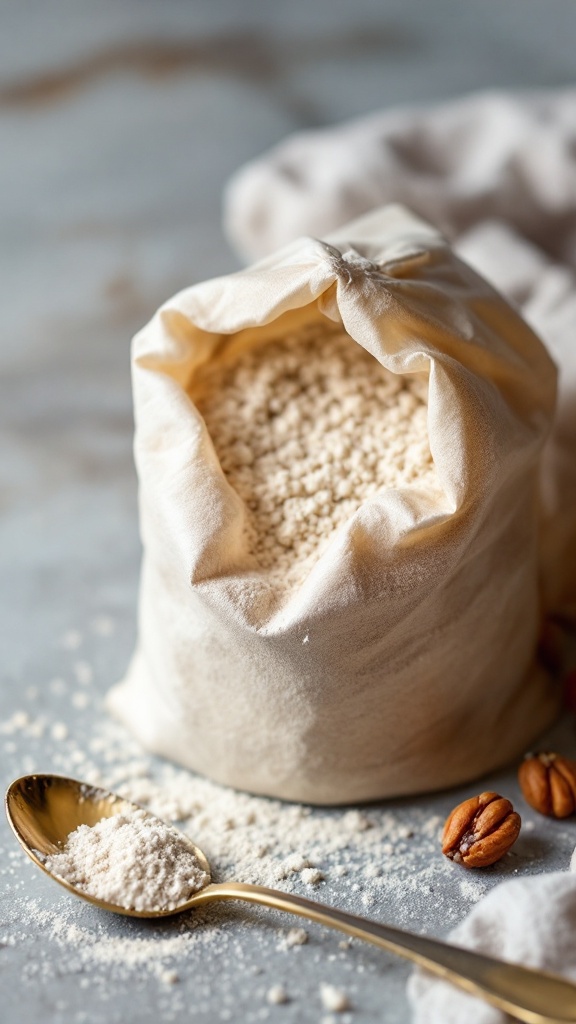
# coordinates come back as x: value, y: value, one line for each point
x: 497, y: 174
x: 530, y: 921
x: 492, y: 156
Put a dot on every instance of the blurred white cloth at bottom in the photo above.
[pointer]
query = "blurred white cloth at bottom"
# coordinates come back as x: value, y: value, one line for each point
x: 529, y: 921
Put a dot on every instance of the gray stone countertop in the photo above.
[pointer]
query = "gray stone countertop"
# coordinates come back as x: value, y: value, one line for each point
x: 120, y: 124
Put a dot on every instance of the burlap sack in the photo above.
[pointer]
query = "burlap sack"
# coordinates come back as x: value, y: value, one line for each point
x: 405, y: 661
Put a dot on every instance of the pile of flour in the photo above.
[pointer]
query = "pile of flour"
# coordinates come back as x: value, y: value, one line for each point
x: 132, y: 860
x: 307, y: 428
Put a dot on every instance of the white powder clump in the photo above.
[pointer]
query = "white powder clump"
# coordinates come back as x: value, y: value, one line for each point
x: 307, y: 428
x: 311, y: 876
x: 133, y: 860
x: 296, y: 937
x: 277, y: 995
x: 169, y: 977
x: 334, y: 999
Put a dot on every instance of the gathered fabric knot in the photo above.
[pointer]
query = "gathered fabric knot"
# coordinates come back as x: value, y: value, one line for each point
x: 350, y: 264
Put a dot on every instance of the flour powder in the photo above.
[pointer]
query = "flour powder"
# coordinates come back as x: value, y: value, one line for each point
x: 133, y: 860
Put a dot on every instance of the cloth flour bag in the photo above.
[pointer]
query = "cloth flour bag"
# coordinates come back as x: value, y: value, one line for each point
x: 403, y: 658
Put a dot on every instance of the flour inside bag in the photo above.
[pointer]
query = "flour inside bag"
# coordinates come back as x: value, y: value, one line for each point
x: 338, y: 452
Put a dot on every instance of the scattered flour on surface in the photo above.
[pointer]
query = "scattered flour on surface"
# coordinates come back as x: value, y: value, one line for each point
x: 384, y: 857
x: 256, y: 839
x: 93, y: 944
x: 472, y: 889
x: 132, y: 860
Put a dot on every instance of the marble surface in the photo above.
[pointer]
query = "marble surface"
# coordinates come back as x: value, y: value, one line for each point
x: 119, y: 126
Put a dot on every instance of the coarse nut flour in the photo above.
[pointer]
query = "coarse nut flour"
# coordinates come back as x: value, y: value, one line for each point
x: 307, y: 429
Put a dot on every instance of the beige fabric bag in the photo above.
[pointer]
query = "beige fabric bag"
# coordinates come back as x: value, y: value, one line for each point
x: 405, y: 661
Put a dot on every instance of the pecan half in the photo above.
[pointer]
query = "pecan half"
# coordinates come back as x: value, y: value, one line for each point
x: 548, y: 783
x: 480, y: 831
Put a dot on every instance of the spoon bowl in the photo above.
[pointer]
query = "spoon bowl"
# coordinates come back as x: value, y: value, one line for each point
x: 44, y: 809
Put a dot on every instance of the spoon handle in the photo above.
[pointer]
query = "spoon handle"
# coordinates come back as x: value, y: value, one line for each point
x: 531, y: 996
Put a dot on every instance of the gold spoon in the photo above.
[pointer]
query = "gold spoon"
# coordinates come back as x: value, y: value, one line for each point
x: 44, y: 809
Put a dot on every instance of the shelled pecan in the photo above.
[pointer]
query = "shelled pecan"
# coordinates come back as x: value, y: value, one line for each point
x: 480, y: 830
x: 548, y: 783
